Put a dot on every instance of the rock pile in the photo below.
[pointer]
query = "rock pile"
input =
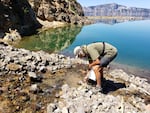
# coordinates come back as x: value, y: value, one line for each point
x: 129, y: 99
x: 132, y: 82
x: 21, y: 61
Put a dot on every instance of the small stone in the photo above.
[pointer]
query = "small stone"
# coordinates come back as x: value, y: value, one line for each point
x: 64, y: 110
x: 13, y: 66
x: 32, y: 74
x: 35, y: 89
x: 43, y: 69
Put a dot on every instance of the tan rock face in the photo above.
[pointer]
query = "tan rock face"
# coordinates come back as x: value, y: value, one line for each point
x: 22, y: 14
x: 62, y: 10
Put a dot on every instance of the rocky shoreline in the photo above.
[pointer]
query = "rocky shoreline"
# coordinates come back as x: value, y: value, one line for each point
x: 41, y: 82
x: 140, y: 72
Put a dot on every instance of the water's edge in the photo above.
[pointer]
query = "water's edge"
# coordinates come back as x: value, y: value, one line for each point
x: 143, y: 73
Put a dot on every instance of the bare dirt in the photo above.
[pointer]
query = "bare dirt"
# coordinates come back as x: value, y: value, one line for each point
x: 16, y: 97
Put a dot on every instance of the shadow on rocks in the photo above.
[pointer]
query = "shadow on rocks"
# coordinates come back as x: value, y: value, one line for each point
x: 108, y: 85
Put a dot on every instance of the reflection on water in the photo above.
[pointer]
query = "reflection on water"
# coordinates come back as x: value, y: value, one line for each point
x: 52, y: 40
x: 115, y: 20
x: 109, y: 21
x: 131, y: 39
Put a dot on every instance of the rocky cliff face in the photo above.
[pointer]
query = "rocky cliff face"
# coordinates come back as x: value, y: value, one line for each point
x: 17, y: 14
x: 58, y: 10
x: 21, y: 14
x: 116, y: 10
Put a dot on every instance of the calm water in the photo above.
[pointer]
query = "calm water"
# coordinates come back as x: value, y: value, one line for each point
x: 131, y: 38
x: 52, y: 40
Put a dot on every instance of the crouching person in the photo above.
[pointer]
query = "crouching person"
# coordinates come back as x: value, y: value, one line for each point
x: 99, y: 54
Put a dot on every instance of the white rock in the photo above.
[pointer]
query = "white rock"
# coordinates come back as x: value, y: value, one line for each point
x: 65, y: 110
x: 34, y: 87
x: 32, y: 74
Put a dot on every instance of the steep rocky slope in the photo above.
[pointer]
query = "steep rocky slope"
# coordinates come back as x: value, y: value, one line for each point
x: 58, y: 10
x: 22, y: 14
x: 16, y: 14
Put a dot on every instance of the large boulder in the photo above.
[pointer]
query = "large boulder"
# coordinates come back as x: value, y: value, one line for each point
x: 17, y: 14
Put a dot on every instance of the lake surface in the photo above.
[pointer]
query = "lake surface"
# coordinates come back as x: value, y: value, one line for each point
x: 132, y: 38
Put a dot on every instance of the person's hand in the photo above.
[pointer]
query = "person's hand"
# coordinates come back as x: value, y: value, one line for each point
x: 90, y: 66
x: 85, y: 79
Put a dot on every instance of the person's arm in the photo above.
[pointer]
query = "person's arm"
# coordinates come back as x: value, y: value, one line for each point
x: 95, y: 62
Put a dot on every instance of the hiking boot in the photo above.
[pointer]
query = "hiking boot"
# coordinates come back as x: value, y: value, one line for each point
x: 89, y: 87
x: 97, y: 89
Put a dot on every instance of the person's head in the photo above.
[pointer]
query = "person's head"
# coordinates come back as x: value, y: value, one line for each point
x: 78, y: 52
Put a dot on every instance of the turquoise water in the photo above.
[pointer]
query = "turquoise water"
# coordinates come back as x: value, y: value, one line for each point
x: 131, y: 38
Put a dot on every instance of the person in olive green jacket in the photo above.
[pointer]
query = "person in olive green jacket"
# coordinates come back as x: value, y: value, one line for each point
x: 99, y: 54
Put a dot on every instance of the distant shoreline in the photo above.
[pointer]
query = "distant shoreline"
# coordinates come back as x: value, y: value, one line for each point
x: 115, y: 17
